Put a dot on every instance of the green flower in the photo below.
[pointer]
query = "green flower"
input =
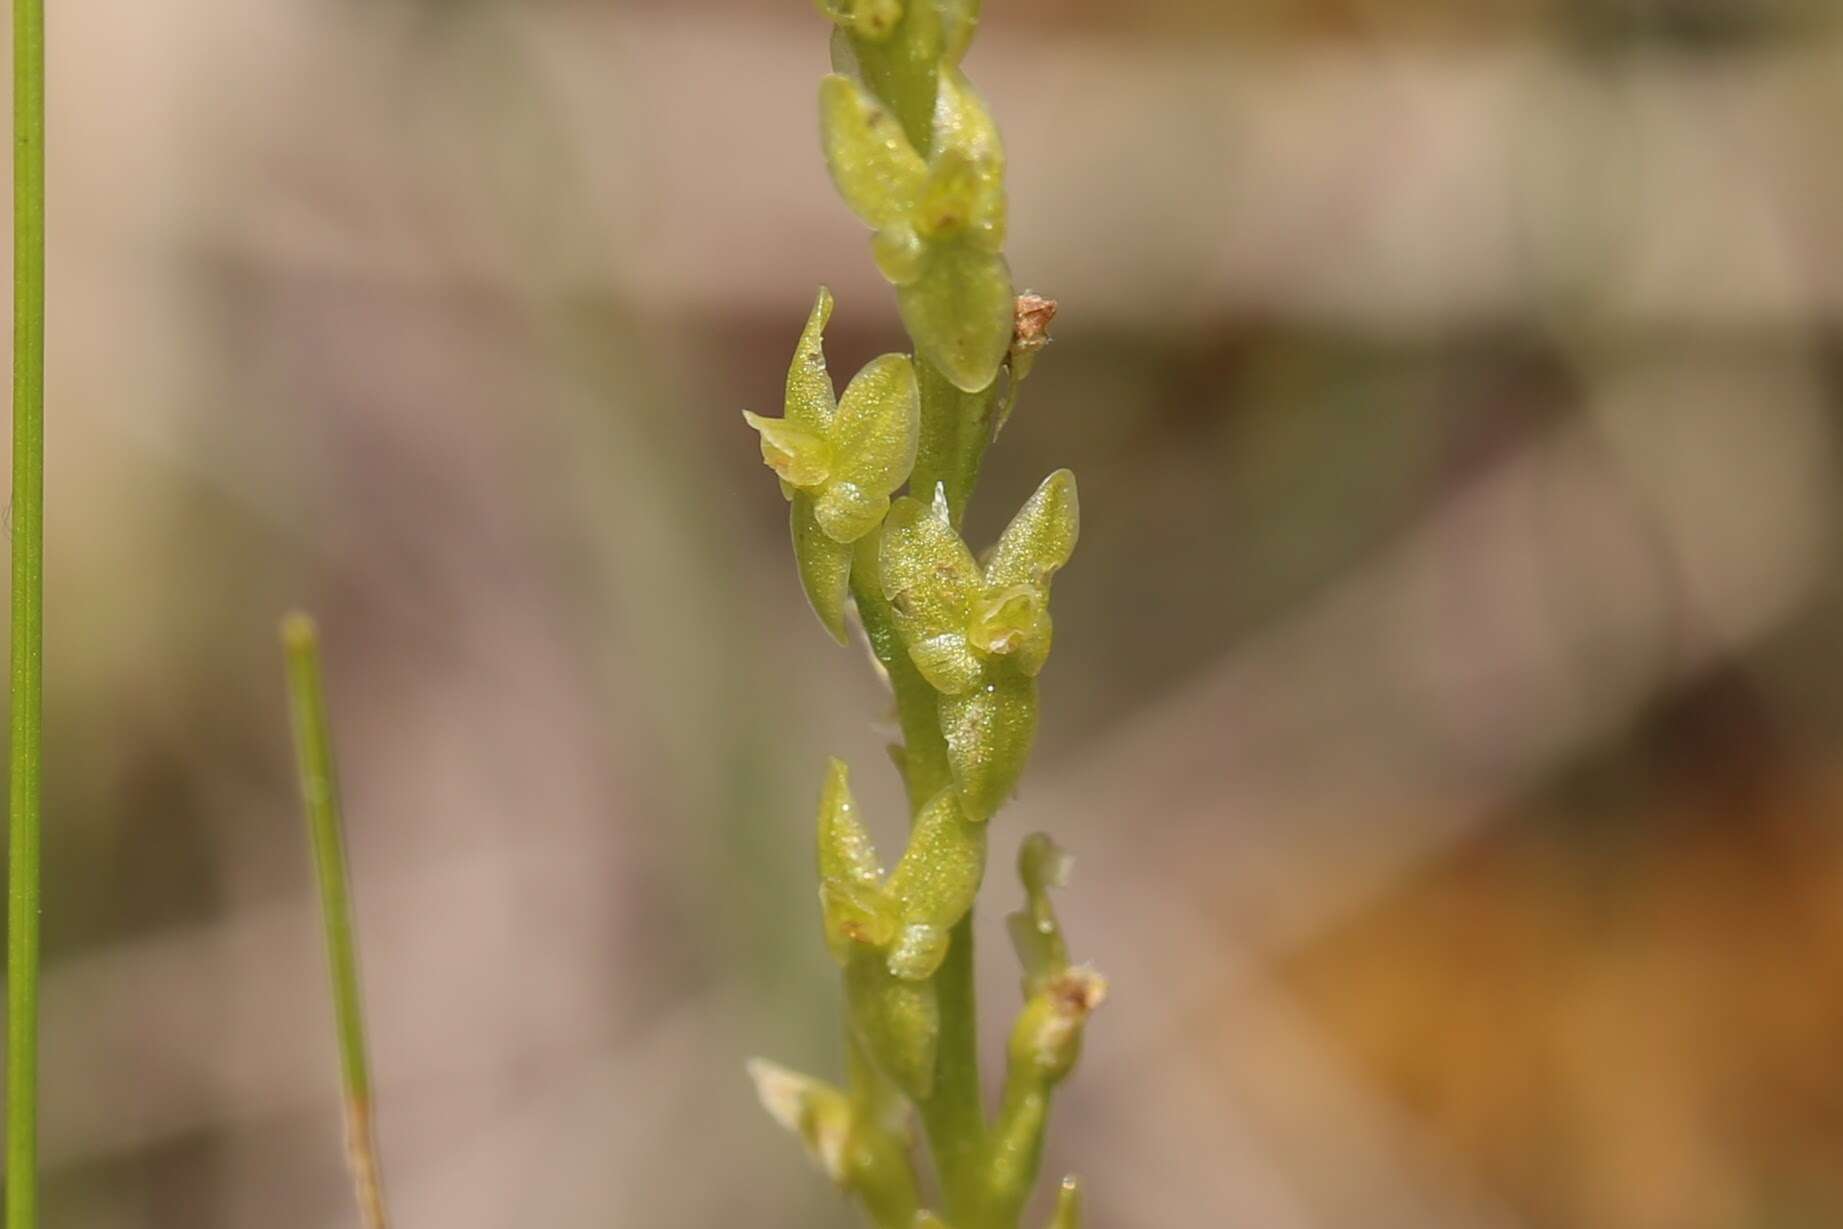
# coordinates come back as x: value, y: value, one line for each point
x: 891, y: 934
x: 980, y: 636
x: 907, y: 915
x: 839, y: 460
x: 939, y: 222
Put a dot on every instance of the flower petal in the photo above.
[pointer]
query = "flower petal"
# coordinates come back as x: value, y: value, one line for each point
x: 947, y: 661
x: 873, y: 165
x: 801, y: 457
x: 965, y: 187
x: 875, y: 432
x: 846, y: 853
x: 961, y: 312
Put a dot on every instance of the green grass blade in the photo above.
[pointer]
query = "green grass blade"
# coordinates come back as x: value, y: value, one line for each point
x: 320, y: 800
x: 27, y: 718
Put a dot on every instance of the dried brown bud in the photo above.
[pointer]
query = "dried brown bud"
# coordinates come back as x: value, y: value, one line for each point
x: 1034, y: 315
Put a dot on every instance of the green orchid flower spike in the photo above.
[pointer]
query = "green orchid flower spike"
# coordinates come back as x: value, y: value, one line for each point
x: 959, y: 641
x: 980, y: 636
x: 839, y: 460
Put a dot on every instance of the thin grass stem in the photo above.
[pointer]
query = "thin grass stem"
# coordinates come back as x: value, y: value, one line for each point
x: 28, y: 613
x: 313, y: 745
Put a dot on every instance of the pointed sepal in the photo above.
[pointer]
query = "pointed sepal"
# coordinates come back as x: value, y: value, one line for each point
x: 810, y: 400
x: 856, y: 908
x: 1041, y: 538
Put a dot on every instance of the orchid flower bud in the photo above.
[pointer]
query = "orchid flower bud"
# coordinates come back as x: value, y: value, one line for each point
x: 934, y: 885
x: 1036, y: 935
x: 1047, y: 1036
x: 980, y: 636
x: 838, y: 461
x: 940, y: 219
x: 814, y: 1110
x: 856, y: 1153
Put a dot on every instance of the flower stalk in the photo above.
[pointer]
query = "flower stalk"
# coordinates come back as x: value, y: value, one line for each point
x: 961, y: 639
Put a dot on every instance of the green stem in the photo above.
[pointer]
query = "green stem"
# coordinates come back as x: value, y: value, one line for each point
x: 313, y: 745
x: 956, y: 428
x: 954, y: 1117
x: 27, y: 721
x: 924, y: 753
x: 1016, y: 1152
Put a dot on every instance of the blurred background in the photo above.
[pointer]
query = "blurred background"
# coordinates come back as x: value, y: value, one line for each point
x: 1446, y: 710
